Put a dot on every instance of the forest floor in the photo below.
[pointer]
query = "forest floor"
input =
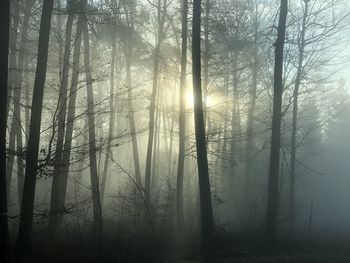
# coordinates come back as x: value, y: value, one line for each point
x: 228, y: 248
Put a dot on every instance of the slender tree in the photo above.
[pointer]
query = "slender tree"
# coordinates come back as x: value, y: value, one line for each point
x: 111, y: 119
x: 207, y: 220
x: 26, y: 219
x: 182, y: 120
x: 4, y: 52
x: 13, y: 89
x: 273, y: 186
x: 61, y: 115
x: 128, y: 45
x: 295, y: 120
x: 156, y: 59
x: 96, y: 201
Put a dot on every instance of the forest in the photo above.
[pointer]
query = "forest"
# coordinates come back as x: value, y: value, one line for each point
x: 174, y: 131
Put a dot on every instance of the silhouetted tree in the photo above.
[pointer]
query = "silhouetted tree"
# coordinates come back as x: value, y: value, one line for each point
x: 273, y: 187
x: 182, y: 119
x: 26, y: 219
x: 207, y: 220
x: 4, y: 52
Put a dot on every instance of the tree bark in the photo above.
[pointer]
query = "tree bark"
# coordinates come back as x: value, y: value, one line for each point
x: 161, y: 17
x: 182, y: 121
x: 207, y: 220
x: 70, y: 116
x: 295, y: 120
x: 111, y: 122
x: 128, y: 57
x: 96, y: 201
x: 250, y: 121
x: 26, y: 219
x: 4, y: 54
x: 273, y: 185
x: 12, y: 88
x: 61, y: 113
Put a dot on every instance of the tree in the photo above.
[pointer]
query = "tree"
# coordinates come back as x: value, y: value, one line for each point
x: 111, y: 120
x: 128, y: 46
x: 182, y: 119
x: 61, y: 112
x: 273, y: 186
x: 26, y: 219
x: 96, y: 201
x: 70, y: 117
x: 4, y: 52
x: 207, y: 220
x: 301, y: 46
x: 161, y: 13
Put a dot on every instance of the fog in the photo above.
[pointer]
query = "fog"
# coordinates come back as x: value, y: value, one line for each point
x: 175, y: 131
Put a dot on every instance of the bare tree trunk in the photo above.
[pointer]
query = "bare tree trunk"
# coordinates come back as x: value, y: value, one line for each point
x: 61, y: 113
x: 207, y: 220
x: 295, y: 120
x: 250, y: 121
x: 111, y: 122
x: 25, y: 226
x: 273, y: 187
x: 182, y: 121
x: 160, y: 37
x: 206, y: 58
x: 131, y: 115
x: 155, y: 166
x: 70, y: 118
x: 96, y: 202
x: 12, y: 80
x: 128, y: 57
x: 4, y: 51
x: 17, y: 98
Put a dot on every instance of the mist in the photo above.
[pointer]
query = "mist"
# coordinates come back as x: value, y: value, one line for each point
x: 174, y: 131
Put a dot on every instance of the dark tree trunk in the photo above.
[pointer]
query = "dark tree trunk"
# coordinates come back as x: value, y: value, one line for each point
x: 111, y: 122
x: 249, y: 181
x: 17, y: 97
x: 131, y: 116
x: 128, y: 56
x: 70, y: 116
x: 182, y: 121
x: 96, y: 202
x: 161, y: 17
x: 295, y: 120
x: 206, y: 59
x: 26, y: 219
x: 4, y: 52
x: 61, y: 115
x: 207, y: 221
x: 12, y: 89
x: 273, y: 186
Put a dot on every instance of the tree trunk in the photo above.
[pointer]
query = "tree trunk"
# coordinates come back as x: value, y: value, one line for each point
x: 111, y: 122
x: 12, y: 85
x: 26, y: 218
x: 61, y: 112
x: 207, y: 221
x: 206, y: 58
x: 182, y: 121
x: 249, y: 189
x: 70, y: 117
x: 4, y: 51
x: 295, y: 120
x: 96, y: 202
x: 273, y: 186
x: 131, y: 115
x: 17, y: 99
x: 161, y: 17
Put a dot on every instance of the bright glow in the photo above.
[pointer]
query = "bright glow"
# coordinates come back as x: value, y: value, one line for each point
x: 190, y: 100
